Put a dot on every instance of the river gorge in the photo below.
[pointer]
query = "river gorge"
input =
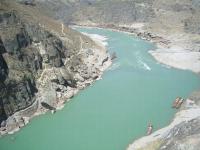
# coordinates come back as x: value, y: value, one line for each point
x: 116, y: 110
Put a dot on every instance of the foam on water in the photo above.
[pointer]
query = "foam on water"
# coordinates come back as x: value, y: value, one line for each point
x: 144, y: 65
x: 140, y: 61
x: 114, y: 66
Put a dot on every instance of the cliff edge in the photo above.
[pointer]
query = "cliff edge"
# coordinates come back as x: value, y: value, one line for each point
x: 42, y: 64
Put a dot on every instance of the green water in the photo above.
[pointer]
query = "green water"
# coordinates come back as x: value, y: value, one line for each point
x: 115, y: 110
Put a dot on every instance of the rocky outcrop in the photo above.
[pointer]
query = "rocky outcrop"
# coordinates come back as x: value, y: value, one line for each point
x: 174, y: 27
x: 182, y: 134
x: 41, y: 62
x: 59, y: 61
x: 17, y: 65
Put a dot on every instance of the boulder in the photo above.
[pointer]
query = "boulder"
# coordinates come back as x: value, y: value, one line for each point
x: 3, y: 123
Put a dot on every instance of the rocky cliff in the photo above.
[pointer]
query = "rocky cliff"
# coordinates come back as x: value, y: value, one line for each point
x: 41, y: 62
x: 174, y: 26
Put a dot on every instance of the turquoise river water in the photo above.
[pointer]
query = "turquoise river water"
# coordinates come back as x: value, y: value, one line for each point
x: 114, y: 111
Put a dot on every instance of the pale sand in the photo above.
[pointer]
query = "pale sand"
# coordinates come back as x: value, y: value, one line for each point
x: 178, y: 58
x: 99, y: 39
x: 173, y: 55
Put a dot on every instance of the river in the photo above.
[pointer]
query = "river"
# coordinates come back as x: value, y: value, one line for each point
x: 114, y: 111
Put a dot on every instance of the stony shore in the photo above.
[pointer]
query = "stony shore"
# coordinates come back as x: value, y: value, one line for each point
x: 93, y: 59
x: 172, y: 26
x: 182, y: 56
x: 188, y: 115
x: 185, y: 120
x: 169, y: 47
x: 183, y: 131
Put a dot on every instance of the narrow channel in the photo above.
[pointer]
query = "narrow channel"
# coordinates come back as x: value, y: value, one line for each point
x: 114, y: 111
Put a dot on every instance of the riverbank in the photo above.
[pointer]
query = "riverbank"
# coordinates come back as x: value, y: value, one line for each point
x: 97, y: 60
x: 176, y: 51
x: 179, y: 133
x: 181, y: 55
x: 98, y: 114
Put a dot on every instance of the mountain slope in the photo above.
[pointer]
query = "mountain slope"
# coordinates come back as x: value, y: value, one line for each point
x: 42, y: 63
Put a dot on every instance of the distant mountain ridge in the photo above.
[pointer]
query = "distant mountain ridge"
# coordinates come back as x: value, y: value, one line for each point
x: 186, y: 12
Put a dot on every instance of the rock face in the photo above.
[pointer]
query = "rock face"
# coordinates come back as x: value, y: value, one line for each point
x: 18, y: 62
x: 41, y: 61
x: 173, y: 25
x: 184, y: 136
